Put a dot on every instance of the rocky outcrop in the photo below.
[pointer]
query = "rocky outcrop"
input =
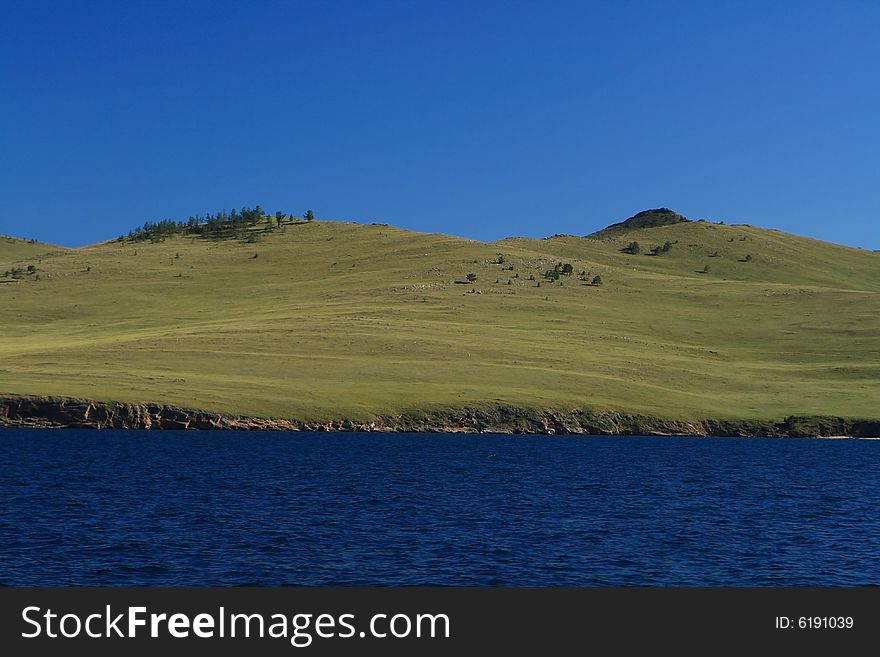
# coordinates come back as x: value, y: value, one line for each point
x: 48, y: 412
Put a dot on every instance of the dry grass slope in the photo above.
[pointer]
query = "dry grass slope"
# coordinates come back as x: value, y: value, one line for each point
x: 325, y: 320
x: 13, y: 250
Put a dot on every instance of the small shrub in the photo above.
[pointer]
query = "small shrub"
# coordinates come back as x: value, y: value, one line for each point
x: 633, y: 248
x: 660, y: 250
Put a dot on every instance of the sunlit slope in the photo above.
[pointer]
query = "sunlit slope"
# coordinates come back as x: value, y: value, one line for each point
x: 776, y: 257
x: 13, y: 251
x: 334, y: 320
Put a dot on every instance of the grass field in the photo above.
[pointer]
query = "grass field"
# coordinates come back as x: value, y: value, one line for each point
x: 325, y: 320
x: 13, y: 250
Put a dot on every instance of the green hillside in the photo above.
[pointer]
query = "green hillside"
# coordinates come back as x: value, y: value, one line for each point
x: 319, y: 320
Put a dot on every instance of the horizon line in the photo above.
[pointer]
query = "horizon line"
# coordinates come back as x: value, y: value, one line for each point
x: 435, y: 232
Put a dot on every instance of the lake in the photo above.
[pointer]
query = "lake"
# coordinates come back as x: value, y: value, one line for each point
x: 188, y: 508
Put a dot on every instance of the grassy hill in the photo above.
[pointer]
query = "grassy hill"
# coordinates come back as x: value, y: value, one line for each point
x: 320, y: 320
x: 14, y: 250
x: 644, y: 219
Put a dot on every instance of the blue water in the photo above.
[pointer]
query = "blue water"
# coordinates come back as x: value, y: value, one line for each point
x: 185, y: 508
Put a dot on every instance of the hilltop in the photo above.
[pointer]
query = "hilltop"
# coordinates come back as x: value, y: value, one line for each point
x: 316, y: 321
x: 644, y: 219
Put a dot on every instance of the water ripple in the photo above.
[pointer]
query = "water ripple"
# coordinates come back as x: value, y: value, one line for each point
x: 141, y: 508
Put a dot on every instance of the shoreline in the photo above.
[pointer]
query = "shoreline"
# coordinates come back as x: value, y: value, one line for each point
x: 61, y: 412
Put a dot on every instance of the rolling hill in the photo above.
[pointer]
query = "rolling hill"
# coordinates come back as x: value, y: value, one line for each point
x: 318, y: 321
x: 13, y: 250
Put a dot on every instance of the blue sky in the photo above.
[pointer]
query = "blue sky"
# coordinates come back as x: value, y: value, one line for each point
x: 480, y: 119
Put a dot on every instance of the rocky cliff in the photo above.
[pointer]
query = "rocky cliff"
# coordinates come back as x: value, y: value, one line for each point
x: 76, y: 413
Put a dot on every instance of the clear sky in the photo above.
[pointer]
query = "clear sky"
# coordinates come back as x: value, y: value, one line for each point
x: 479, y: 119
